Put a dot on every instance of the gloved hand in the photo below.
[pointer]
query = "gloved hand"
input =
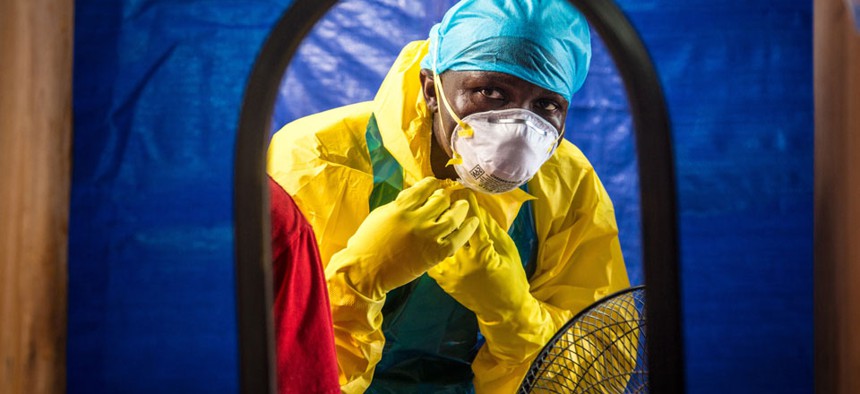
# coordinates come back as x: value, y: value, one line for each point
x: 401, y: 240
x: 486, y: 275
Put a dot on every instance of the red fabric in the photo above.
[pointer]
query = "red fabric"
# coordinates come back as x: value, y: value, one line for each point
x: 303, y: 327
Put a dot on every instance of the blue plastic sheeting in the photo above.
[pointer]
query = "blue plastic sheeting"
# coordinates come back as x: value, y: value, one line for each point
x: 158, y: 87
x: 346, y: 56
x: 738, y: 79
x: 854, y: 9
x: 157, y: 91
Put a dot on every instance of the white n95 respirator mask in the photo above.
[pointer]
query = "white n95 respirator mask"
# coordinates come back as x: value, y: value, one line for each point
x: 498, y: 151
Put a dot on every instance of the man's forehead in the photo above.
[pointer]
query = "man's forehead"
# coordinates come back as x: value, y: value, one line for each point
x: 479, y: 77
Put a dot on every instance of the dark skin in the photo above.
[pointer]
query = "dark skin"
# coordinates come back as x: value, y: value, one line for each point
x: 469, y: 92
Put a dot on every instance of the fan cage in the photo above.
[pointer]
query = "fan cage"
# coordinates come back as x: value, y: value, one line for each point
x: 601, y: 350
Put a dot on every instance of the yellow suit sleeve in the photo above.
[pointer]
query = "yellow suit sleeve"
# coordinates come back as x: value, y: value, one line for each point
x: 579, y: 262
x: 358, y: 333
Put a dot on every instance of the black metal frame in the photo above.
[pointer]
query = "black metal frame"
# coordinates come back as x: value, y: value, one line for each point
x: 656, y: 175
x: 657, y: 192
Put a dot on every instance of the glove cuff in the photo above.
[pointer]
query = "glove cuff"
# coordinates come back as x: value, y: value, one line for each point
x: 355, y: 273
x: 516, y: 335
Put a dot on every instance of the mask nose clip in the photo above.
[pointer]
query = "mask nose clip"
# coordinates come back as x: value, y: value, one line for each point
x: 498, y: 120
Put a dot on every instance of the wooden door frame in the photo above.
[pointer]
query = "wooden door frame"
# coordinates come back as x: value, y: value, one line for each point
x: 35, y: 165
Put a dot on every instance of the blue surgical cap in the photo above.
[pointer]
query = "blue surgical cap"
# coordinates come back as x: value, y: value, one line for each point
x: 544, y: 42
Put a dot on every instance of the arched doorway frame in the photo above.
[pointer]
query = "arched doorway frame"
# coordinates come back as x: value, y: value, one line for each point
x: 656, y: 178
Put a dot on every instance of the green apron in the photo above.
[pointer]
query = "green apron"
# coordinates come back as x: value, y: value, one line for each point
x: 430, y: 339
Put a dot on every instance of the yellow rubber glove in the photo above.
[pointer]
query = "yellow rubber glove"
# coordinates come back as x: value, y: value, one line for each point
x: 487, y: 277
x: 401, y: 240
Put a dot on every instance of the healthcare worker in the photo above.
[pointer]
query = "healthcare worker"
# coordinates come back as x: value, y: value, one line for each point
x: 458, y: 229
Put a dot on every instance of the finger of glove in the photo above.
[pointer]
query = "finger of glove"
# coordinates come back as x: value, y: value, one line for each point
x: 436, y: 205
x: 451, y: 219
x: 418, y: 193
x: 502, y: 241
x: 479, y: 236
x: 482, y: 240
x: 458, y: 238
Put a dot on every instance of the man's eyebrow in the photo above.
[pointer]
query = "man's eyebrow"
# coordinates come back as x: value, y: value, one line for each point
x: 502, y: 79
x: 557, y: 96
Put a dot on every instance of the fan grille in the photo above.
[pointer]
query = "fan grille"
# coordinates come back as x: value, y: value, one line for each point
x: 601, y: 350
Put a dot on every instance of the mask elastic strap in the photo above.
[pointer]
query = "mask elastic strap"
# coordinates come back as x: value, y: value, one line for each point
x: 465, y: 131
x: 557, y: 139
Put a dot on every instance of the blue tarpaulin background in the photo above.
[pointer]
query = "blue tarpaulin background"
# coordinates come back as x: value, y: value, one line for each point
x: 158, y: 88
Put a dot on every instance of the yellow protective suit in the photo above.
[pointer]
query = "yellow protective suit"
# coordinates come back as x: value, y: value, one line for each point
x: 323, y: 162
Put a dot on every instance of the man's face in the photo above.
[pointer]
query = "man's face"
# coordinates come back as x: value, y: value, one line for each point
x: 470, y: 92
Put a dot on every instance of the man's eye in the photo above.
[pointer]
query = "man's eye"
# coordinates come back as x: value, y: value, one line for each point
x: 548, y: 105
x: 492, y: 93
